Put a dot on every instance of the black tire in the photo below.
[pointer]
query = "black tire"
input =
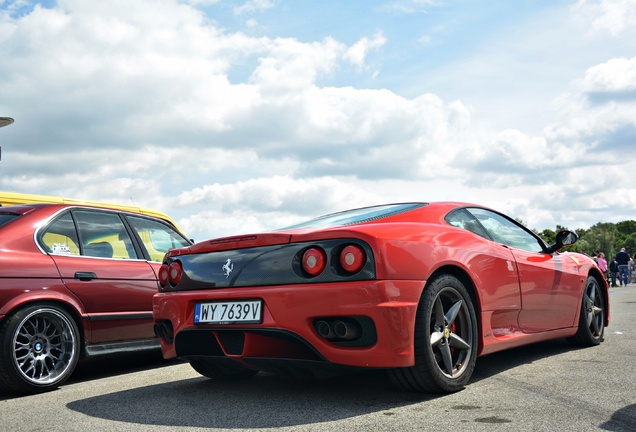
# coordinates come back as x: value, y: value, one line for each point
x: 592, y: 319
x: 221, y: 369
x: 445, y: 340
x: 39, y: 349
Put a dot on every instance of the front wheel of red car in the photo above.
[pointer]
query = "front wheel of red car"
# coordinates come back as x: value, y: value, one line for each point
x: 592, y: 319
x: 445, y: 339
x: 39, y: 349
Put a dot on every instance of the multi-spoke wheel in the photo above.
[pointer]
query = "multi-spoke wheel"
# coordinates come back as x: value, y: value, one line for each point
x: 39, y: 349
x: 445, y: 339
x: 592, y: 319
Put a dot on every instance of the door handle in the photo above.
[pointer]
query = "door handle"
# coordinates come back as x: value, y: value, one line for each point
x: 85, y: 276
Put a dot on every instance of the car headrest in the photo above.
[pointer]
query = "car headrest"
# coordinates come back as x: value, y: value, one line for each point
x: 99, y: 249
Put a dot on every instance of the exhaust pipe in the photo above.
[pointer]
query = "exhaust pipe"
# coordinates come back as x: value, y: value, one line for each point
x: 324, y: 329
x: 164, y: 330
x: 345, y: 330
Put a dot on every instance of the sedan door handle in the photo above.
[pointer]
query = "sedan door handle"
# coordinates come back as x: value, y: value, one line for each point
x: 85, y: 276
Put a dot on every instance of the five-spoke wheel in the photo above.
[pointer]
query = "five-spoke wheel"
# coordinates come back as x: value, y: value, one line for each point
x: 592, y: 320
x: 445, y: 339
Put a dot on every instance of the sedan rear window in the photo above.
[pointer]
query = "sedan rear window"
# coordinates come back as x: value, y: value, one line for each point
x: 7, y: 217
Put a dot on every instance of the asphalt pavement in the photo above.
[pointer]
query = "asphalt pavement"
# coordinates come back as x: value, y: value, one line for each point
x: 548, y: 386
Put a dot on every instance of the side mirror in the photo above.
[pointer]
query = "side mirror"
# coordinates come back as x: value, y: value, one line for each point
x: 563, y: 239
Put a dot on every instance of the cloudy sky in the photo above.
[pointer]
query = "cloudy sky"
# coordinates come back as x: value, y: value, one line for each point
x: 244, y: 116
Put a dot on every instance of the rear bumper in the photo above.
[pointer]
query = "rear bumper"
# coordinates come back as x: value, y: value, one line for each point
x: 287, y: 333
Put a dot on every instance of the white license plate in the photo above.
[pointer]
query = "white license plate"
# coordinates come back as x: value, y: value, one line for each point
x: 234, y: 312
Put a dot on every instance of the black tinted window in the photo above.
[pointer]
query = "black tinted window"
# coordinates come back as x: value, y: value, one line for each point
x: 7, y: 217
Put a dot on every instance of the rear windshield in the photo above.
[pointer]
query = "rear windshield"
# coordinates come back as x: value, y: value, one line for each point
x: 7, y: 217
x: 357, y: 216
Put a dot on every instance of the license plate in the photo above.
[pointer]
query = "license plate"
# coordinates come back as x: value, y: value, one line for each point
x: 234, y: 312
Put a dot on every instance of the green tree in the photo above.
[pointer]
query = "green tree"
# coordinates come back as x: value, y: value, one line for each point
x: 605, y: 237
x: 602, y: 237
x: 626, y: 227
x: 548, y: 236
x: 630, y: 243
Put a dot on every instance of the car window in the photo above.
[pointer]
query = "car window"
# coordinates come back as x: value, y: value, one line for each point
x: 103, y: 235
x: 60, y: 237
x: 505, y: 231
x: 156, y: 236
x: 357, y: 216
x: 8, y: 217
x: 463, y: 219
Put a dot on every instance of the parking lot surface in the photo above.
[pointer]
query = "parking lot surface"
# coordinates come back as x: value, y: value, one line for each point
x: 544, y: 387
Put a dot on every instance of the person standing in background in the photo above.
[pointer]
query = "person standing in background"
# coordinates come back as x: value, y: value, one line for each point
x: 613, y: 269
x: 623, y: 266
x: 602, y: 264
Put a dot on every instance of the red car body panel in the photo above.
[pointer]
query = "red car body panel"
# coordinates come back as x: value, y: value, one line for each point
x: 293, y: 308
x: 520, y: 297
x: 102, y: 296
x: 113, y: 306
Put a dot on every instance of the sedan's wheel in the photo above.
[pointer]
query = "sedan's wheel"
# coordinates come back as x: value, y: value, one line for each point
x: 39, y: 348
x: 221, y: 369
x: 592, y: 318
x: 445, y: 339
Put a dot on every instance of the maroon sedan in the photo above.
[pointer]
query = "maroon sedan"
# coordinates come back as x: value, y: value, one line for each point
x: 76, y: 281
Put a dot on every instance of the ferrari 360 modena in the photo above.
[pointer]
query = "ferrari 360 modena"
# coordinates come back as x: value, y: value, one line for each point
x: 418, y: 289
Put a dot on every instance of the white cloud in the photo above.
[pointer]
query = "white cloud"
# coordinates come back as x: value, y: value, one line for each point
x: 230, y: 132
x: 613, y: 16
x: 411, y: 6
x: 254, y: 6
x: 616, y: 75
x: 357, y: 53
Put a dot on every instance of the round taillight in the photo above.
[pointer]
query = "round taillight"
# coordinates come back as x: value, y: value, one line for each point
x: 352, y: 258
x: 314, y: 261
x: 163, y: 275
x: 175, y: 271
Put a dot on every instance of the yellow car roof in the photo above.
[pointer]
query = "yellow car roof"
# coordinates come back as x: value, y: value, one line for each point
x: 14, y: 198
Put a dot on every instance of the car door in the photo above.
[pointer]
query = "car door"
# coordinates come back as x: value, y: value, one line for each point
x: 550, y: 290
x: 98, y: 261
x: 550, y: 283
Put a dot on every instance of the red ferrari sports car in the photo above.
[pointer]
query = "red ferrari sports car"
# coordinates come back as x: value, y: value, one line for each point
x: 419, y: 289
x: 75, y: 281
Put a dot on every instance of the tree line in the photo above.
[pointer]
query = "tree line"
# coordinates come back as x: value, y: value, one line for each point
x: 604, y: 237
